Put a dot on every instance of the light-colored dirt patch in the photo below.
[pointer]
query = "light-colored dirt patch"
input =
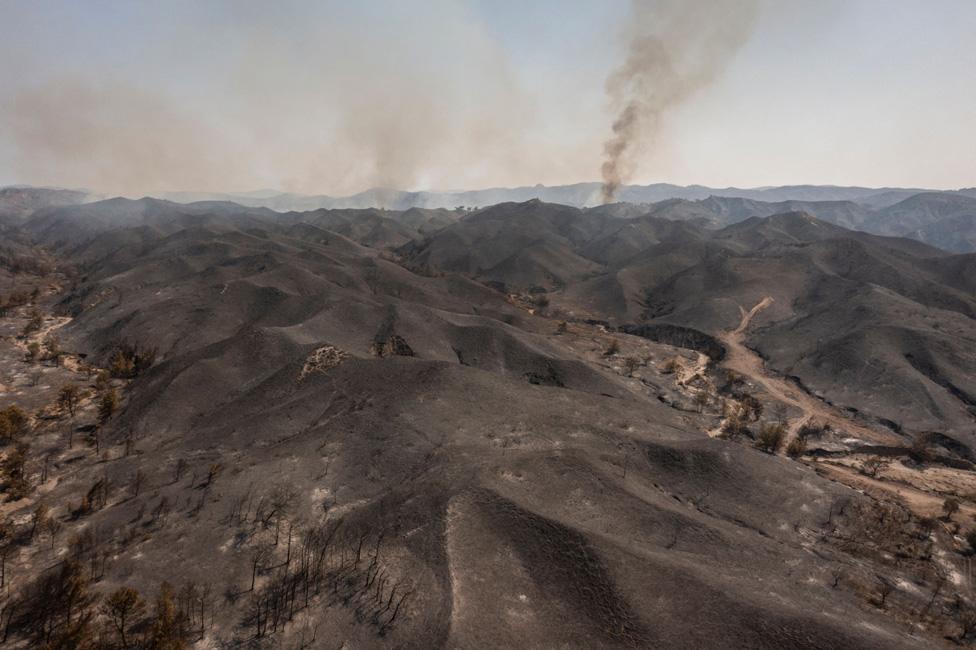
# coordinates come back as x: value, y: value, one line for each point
x: 939, y: 481
x: 688, y: 373
x: 922, y: 503
x: 946, y: 480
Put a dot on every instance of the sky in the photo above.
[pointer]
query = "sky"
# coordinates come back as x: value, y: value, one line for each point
x: 335, y: 97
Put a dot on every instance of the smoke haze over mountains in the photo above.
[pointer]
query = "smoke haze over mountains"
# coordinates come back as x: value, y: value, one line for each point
x: 134, y: 98
x: 287, y: 97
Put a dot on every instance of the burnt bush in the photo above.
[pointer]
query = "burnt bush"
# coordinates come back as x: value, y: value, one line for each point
x: 129, y: 360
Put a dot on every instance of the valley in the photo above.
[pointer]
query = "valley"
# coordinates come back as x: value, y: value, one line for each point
x: 340, y: 440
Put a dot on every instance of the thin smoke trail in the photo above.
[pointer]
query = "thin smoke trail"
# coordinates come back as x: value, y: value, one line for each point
x: 676, y: 48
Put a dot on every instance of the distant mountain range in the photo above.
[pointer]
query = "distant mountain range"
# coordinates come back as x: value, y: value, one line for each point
x: 577, y: 195
x: 945, y: 219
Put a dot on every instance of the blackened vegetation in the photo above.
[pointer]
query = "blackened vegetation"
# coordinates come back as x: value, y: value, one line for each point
x: 329, y: 566
x: 396, y: 346
x: 295, y: 566
x: 129, y: 360
x: 888, y: 534
x: 547, y: 378
x: 14, y: 473
x: 884, y: 528
x: 31, y: 263
x: 749, y: 411
x: 702, y: 468
x: 655, y: 307
x: 63, y: 608
x: 922, y: 362
x: 83, y: 295
x: 95, y: 499
x: 682, y: 337
x: 13, y: 301
x: 951, y: 445
x: 57, y: 610
x: 564, y: 564
x: 387, y: 343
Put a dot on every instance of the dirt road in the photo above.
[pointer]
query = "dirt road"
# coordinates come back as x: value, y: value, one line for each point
x: 746, y: 362
x: 922, y: 503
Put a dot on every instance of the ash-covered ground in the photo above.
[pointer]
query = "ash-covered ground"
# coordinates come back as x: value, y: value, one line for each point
x: 529, y: 425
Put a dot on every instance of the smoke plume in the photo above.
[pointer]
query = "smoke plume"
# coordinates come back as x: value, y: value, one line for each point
x: 676, y: 48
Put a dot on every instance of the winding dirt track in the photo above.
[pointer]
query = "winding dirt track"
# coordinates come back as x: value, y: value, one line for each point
x: 922, y: 502
x: 741, y: 359
x: 744, y: 361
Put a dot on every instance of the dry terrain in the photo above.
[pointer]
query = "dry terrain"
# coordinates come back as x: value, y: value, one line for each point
x: 523, y: 426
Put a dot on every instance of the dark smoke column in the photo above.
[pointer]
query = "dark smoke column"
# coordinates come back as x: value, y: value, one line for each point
x: 676, y: 48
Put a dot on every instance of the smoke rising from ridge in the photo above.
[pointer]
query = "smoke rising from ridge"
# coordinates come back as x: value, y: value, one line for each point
x: 676, y: 48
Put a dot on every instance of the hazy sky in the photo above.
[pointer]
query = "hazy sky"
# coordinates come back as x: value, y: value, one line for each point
x: 334, y: 97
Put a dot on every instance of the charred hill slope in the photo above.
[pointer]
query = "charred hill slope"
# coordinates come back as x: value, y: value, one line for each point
x: 844, y: 300
x: 837, y: 292
x: 413, y: 460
